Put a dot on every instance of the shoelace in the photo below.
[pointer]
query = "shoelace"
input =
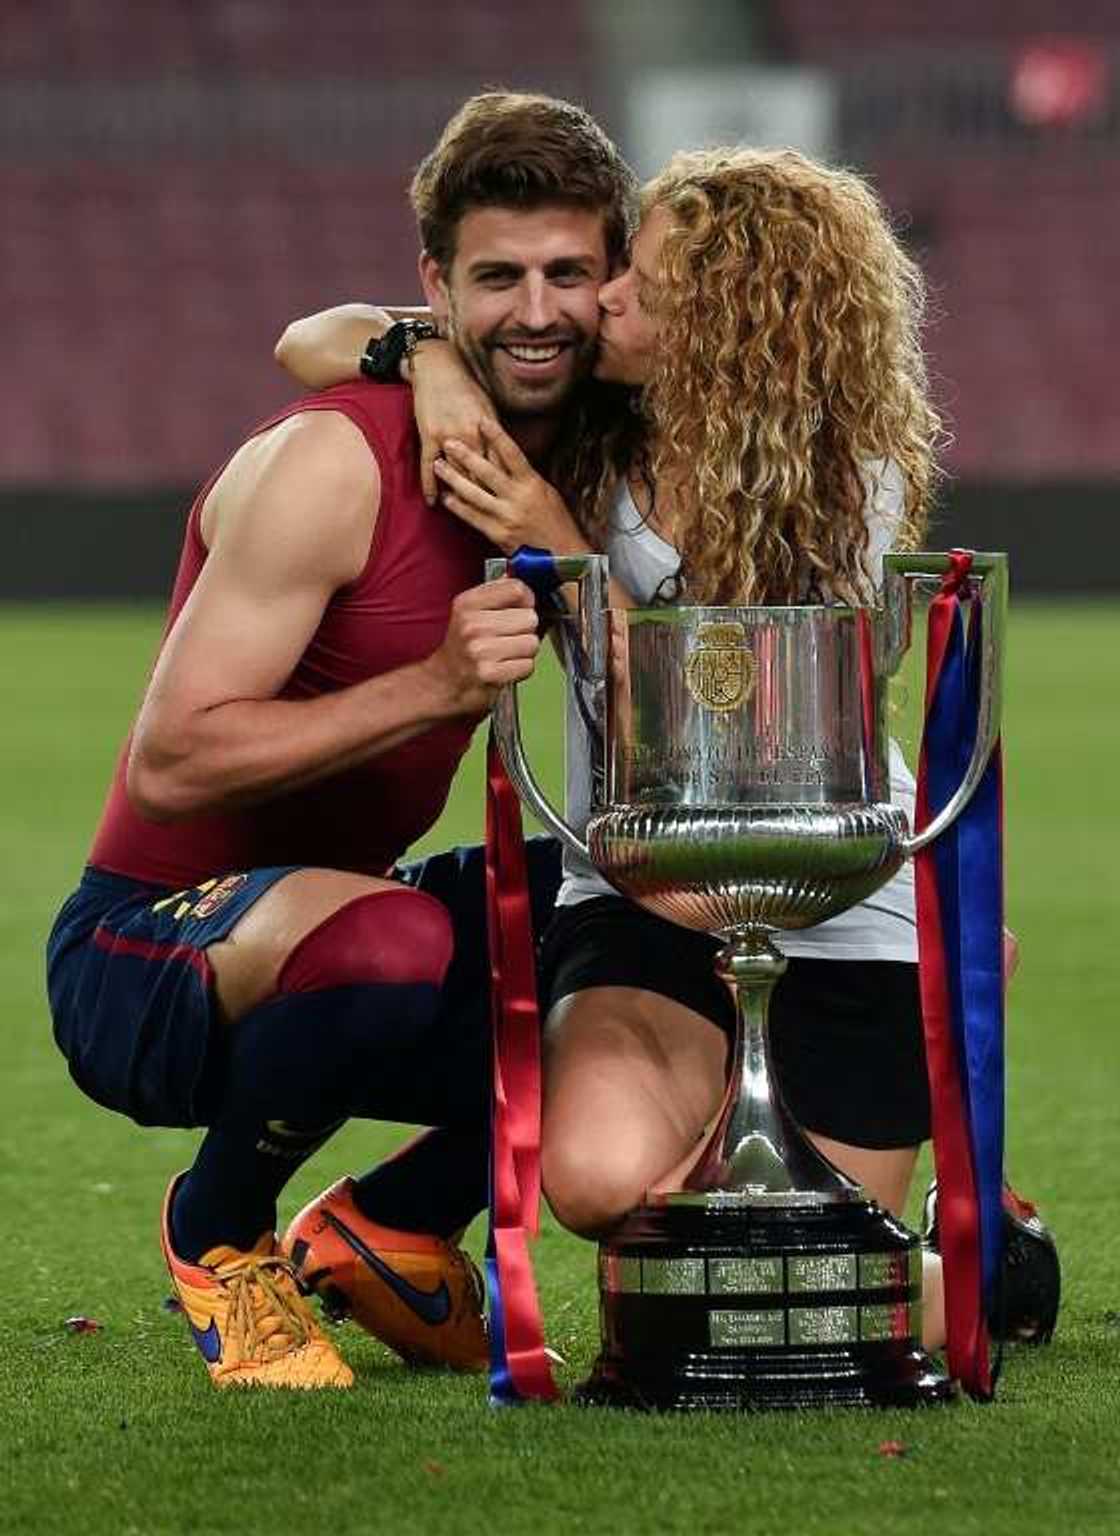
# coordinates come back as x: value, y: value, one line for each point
x: 255, y: 1296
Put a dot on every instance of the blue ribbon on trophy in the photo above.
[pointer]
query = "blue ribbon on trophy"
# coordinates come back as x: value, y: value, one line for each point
x: 960, y: 927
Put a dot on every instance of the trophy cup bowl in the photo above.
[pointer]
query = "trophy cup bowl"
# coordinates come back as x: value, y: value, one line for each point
x: 742, y: 788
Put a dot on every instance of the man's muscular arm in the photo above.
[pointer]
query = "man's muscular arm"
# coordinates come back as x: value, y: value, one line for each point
x: 288, y: 522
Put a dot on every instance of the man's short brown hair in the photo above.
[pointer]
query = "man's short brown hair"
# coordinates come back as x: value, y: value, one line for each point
x: 509, y: 150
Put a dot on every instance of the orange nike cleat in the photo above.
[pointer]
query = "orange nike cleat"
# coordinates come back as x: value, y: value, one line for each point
x: 252, y: 1325
x: 418, y: 1294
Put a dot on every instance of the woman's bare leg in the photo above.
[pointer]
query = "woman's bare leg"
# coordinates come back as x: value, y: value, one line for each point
x: 631, y: 1081
x: 885, y: 1175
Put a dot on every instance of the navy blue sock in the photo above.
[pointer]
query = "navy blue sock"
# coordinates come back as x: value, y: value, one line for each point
x: 437, y: 1183
x: 230, y: 1194
x: 295, y: 1068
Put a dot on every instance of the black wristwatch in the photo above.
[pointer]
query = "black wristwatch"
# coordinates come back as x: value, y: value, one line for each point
x: 381, y: 360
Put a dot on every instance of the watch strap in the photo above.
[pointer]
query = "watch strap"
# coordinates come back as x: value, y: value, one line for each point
x: 381, y: 360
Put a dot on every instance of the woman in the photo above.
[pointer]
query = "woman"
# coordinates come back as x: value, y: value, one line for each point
x: 781, y: 439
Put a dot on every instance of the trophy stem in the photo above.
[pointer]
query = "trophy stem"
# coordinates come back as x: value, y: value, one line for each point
x: 756, y: 1151
x: 770, y: 1280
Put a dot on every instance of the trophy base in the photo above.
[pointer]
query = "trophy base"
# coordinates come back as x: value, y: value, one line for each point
x: 744, y: 1307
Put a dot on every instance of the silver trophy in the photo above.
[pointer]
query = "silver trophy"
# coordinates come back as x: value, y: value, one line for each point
x: 741, y: 787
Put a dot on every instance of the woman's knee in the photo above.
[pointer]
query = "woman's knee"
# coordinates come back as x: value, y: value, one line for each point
x: 630, y: 1079
x: 591, y: 1188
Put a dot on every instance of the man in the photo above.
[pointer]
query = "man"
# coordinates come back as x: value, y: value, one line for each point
x: 238, y: 955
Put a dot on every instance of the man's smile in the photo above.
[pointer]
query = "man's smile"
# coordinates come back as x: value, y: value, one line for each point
x: 533, y: 348
x: 536, y: 360
x: 524, y: 352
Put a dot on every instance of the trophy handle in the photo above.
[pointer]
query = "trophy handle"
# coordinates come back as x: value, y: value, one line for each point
x: 900, y: 571
x: 591, y: 572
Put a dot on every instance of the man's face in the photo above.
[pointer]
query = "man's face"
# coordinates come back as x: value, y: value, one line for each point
x: 628, y: 329
x: 521, y: 301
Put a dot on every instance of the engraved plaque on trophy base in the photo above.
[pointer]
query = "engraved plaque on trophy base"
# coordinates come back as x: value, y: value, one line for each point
x: 723, y: 1307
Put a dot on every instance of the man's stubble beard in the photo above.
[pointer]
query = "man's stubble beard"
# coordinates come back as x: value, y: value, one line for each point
x: 519, y: 403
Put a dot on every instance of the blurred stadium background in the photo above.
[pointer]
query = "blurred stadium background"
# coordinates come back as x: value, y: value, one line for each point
x: 179, y: 179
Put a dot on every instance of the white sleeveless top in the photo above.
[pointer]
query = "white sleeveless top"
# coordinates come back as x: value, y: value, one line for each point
x: 881, y: 928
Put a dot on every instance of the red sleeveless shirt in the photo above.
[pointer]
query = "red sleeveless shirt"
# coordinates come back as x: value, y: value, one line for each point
x: 394, y: 613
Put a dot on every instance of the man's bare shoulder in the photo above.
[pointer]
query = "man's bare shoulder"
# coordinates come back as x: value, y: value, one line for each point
x: 309, y: 487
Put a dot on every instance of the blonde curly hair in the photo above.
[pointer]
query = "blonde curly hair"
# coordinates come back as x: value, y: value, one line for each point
x: 788, y: 365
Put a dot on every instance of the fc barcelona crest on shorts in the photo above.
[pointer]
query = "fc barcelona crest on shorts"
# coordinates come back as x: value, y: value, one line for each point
x: 217, y: 896
x: 720, y: 672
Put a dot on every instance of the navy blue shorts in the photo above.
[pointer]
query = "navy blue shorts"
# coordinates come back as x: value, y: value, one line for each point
x: 131, y: 990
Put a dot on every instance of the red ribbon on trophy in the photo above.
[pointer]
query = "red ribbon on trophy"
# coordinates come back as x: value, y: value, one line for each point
x: 519, y: 1367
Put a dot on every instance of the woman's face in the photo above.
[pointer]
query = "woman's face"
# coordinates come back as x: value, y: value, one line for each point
x: 628, y: 328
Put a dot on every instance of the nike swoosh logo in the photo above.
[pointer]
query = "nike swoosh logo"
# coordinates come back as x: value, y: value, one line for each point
x: 432, y: 1307
x: 209, y: 1341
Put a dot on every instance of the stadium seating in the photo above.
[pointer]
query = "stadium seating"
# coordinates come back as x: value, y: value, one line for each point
x: 186, y: 177
x: 147, y: 305
x: 370, y: 40
x: 822, y: 31
x: 1017, y: 227
x: 1020, y: 257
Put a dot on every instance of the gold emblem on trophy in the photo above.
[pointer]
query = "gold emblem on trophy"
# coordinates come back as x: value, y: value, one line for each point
x: 720, y: 672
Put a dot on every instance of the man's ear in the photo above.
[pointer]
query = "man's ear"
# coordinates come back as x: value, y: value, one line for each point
x: 434, y: 285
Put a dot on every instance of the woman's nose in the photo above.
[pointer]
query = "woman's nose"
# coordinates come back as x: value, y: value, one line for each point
x: 611, y: 294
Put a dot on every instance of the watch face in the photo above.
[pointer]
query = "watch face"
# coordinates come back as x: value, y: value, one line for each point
x: 416, y: 331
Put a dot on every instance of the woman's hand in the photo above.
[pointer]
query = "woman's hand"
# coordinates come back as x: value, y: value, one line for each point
x: 501, y: 494
x: 449, y: 405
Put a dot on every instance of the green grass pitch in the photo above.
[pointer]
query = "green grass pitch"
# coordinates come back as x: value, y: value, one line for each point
x: 118, y: 1431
